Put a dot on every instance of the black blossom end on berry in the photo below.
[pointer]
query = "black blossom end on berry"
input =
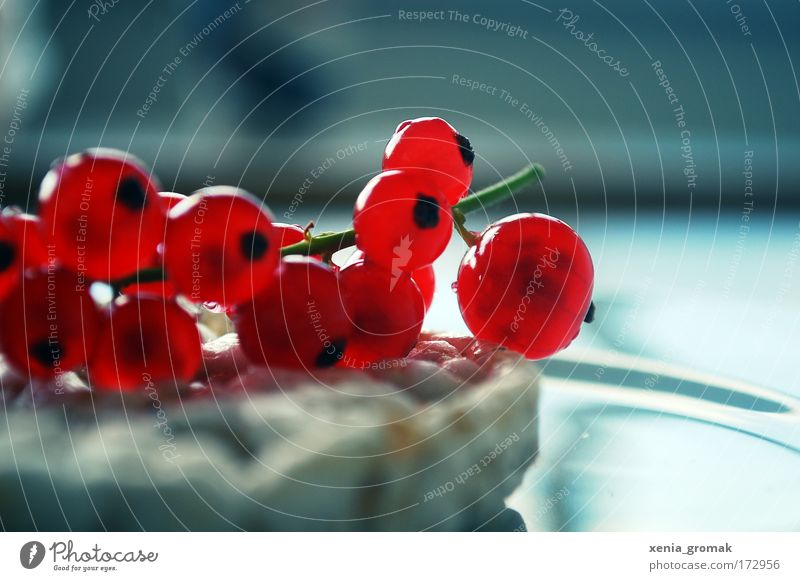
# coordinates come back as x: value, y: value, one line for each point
x: 7, y: 255
x: 465, y: 148
x: 46, y: 352
x: 426, y: 212
x: 131, y: 194
x: 589, y: 318
x: 254, y: 245
x: 330, y: 355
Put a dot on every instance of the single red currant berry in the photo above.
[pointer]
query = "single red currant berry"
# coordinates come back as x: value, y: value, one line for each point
x: 10, y: 257
x: 424, y: 277
x: 101, y: 211
x: 526, y: 284
x: 298, y: 322
x: 431, y: 143
x: 220, y: 246
x: 426, y: 282
x: 30, y: 241
x: 48, y: 324
x: 402, y: 221
x: 145, y: 340
x: 386, y: 311
x: 289, y: 234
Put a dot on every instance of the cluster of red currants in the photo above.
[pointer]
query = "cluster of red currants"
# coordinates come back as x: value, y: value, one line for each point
x: 525, y: 282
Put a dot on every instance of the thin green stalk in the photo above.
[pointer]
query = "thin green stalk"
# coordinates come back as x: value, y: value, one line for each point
x: 489, y: 196
x: 329, y: 242
x: 500, y: 191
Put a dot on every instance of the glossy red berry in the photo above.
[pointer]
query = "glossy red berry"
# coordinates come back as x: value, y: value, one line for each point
x: 298, y: 322
x: 289, y: 234
x: 101, y: 211
x: 48, y: 324
x: 432, y: 144
x: 220, y: 246
x: 402, y: 221
x: 426, y: 282
x: 386, y: 312
x: 526, y: 284
x: 424, y: 277
x: 143, y: 341
x: 10, y: 257
x: 30, y: 240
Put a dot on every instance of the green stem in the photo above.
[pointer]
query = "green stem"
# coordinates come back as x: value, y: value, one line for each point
x: 459, y: 223
x: 500, y: 191
x: 329, y: 242
x: 489, y: 196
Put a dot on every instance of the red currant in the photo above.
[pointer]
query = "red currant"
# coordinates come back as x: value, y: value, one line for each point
x: 299, y: 322
x: 28, y: 233
x: 101, y: 211
x: 10, y: 257
x: 426, y: 282
x: 425, y: 277
x: 289, y: 234
x: 526, y: 284
x: 431, y: 143
x: 48, y: 323
x: 145, y: 340
x: 402, y: 221
x: 386, y: 312
x: 220, y: 246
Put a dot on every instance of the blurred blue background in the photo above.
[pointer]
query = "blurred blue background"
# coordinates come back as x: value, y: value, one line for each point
x: 264, y: 92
